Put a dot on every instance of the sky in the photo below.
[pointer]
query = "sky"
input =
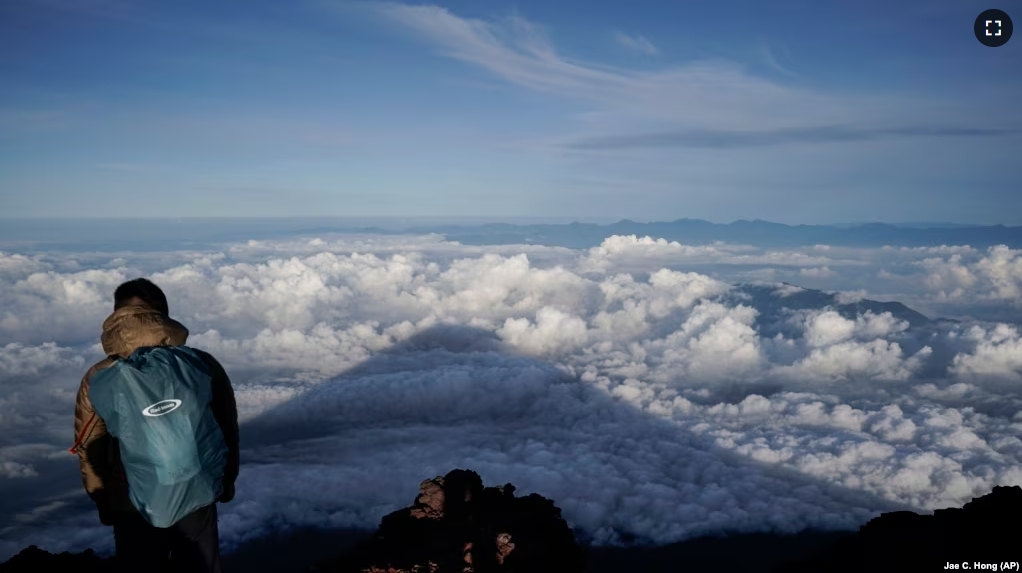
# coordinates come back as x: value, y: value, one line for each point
x: 791, y: 111
x: 652, y: 389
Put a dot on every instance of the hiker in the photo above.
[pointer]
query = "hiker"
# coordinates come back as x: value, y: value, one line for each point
x: 156, y: 434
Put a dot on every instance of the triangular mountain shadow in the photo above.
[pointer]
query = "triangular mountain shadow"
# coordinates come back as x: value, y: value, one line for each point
x: 335, y: 408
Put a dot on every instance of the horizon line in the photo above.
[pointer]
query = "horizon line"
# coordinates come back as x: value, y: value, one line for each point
x: 491, y: 219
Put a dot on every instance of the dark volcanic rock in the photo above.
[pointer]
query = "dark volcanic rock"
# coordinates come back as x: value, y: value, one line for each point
x: 33, y: 559
x: 457, y: 525
x: 985, y: 531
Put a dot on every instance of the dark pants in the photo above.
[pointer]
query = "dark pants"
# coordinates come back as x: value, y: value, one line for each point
x: 193, y: 544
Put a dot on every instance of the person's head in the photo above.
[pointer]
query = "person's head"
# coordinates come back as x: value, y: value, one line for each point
x: 141, y: 290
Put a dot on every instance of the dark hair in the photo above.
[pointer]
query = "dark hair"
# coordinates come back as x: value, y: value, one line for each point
x: 143, y: 289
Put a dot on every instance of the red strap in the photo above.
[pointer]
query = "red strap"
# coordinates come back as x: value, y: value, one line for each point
x: 81, y: 436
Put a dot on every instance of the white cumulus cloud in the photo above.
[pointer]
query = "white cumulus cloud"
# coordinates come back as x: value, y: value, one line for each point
x: 634, y: 383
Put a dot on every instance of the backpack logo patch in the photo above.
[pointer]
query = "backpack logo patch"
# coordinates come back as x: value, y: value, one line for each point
x: 161, y: 408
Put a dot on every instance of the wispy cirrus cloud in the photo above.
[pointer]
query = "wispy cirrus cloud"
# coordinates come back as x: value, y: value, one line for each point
x: 32, y: 120
x: 127, y: 166
x: 637, y: 43
x: 707, y: 103
x: 710, y: 95
x: 735, y: 139
x: 702, y: 94
x: 771, y: 61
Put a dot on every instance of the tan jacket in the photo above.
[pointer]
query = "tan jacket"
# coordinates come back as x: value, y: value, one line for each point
x: 127, y: 329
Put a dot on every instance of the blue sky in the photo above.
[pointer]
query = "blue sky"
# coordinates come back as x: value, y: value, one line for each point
x: 798, y: 112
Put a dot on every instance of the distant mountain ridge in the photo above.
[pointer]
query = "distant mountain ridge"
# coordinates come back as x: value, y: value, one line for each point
x: 774, y: 306
x: 165, y: 234
x: 698, y: 231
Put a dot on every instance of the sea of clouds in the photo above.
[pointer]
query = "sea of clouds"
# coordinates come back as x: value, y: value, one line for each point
x: 652, y: 389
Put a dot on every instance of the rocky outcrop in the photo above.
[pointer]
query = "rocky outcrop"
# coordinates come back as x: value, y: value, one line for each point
x: 458, y: 526
x: 33, y: 559
x: 984, y: 534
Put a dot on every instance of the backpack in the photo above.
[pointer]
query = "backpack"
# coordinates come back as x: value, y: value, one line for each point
x: 157, y: 404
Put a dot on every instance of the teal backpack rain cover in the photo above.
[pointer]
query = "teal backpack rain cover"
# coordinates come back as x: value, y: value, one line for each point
x: 157, y: 404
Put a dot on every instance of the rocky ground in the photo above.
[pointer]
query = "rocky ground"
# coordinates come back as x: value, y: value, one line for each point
x: 986, y: 531
x: 458, y: 525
